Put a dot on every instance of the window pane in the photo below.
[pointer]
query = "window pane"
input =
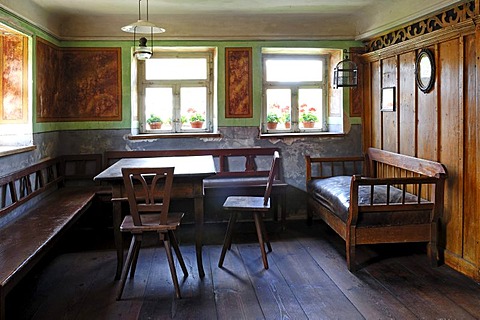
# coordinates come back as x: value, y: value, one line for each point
x: 294, y: 70
x: 193, y: 106
x: 310, y: 102
x: 278, y: 106
x: 159, y: 102
x: 175, y: 69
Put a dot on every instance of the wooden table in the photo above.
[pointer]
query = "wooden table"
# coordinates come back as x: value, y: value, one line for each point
x: 187, y: 184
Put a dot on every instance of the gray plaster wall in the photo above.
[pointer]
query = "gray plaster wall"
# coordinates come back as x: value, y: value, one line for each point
x: 293, y: 150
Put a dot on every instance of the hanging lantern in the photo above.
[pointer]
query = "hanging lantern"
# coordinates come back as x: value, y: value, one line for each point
x: 345, y: 73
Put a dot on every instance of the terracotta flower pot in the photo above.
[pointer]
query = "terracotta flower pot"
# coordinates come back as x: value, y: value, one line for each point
x: 155, y: 125
x: 309, y: 124
x: 288, y: 125
x: 272, y: 125
x: 196, y: 124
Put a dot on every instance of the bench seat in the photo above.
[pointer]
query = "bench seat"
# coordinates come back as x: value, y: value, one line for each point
x: 28, y: 237
x: 334, y: 194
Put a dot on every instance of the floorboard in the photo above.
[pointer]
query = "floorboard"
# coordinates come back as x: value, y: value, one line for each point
x: 307, y: 279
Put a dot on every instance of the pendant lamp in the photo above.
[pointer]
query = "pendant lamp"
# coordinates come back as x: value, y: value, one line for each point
x: 145, y: 27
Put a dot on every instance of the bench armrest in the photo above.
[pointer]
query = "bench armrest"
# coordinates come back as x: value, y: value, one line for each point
x: 413, y: 191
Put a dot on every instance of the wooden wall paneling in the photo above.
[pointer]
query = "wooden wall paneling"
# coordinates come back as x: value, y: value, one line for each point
x: 471, y: 201
x: 447, y: 125
x: 427, y: 124
x: 451, y: 141
x: 389, y: 119
x: 406, y: 106
x: 366, y: 108
x: 476, y: 93
x: 376, y: 115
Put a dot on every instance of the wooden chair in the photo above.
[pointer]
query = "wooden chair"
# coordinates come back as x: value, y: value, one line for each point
x: 258, y: 206
x: 148, y: 192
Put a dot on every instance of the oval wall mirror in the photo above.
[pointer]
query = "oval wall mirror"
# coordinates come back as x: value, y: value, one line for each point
x: 425, y: 70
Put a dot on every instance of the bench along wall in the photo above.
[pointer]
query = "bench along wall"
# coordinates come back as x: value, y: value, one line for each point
x: 292, y: 151
x: 441, y: 125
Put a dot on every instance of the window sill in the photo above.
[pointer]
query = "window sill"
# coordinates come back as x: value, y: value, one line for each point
x: 301, y: 134
x: 149, y: 136
x: 10, y: 150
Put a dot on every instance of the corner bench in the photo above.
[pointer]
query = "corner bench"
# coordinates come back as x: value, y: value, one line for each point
x: 38, y: 208
x: 240, y: 171
x: 400, y: 199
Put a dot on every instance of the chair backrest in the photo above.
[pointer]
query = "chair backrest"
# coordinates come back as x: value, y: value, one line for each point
x: 271, y: 177
x: 148, y: 190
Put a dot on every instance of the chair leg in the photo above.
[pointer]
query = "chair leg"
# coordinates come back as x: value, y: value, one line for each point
x: 135, y: 256
x: 227, y: 242
x: 265, y: 235
x: 173, y: 240
x: 133, y: 244
x: 168, y: 250
x: 258, y: 225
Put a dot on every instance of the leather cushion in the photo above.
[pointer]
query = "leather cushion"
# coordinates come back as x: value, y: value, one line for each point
x: 334, y: 194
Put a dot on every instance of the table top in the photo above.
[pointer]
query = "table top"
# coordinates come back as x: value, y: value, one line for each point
x: 189, y: 166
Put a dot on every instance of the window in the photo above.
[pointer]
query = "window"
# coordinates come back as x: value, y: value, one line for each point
x: 176, y: 91
x: 15, y: 102
x: 295, y: 92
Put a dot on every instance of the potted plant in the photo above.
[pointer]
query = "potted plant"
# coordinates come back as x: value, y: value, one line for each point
x: 286, y: 120
x: 308, y: 116
x: 155, y: 122
x: 197, y: 120
x: 309, y: 119
x: 272, y: 120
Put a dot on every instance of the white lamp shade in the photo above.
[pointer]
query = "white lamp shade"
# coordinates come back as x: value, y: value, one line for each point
x: 142, y: 26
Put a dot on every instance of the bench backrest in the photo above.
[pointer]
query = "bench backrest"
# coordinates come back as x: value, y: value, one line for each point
x: 228, y: 162
x: 19, y: 187
x: 81, y: 168
x: 319, y: 168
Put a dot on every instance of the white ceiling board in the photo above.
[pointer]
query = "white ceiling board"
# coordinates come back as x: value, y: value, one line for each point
x: 225, y: 19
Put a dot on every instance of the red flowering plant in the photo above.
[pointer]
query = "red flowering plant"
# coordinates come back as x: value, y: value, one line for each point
x: 308, y: 114
x: 194, y: 115
x: 274, y: 115
x: 285, y: 114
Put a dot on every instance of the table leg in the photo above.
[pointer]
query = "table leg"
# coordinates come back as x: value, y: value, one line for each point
x: 198, y: 203
x: 117, y: 221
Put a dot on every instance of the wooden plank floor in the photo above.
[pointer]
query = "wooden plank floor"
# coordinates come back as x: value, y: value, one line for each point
x: 307, y: 279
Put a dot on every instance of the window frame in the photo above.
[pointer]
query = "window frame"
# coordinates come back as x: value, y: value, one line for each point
x: 295, y: 87
x: 16, y: 135
x: 176, y: 85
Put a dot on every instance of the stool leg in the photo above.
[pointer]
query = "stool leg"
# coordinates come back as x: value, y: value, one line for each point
x: 228, y: 238
x: 258, y: 225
